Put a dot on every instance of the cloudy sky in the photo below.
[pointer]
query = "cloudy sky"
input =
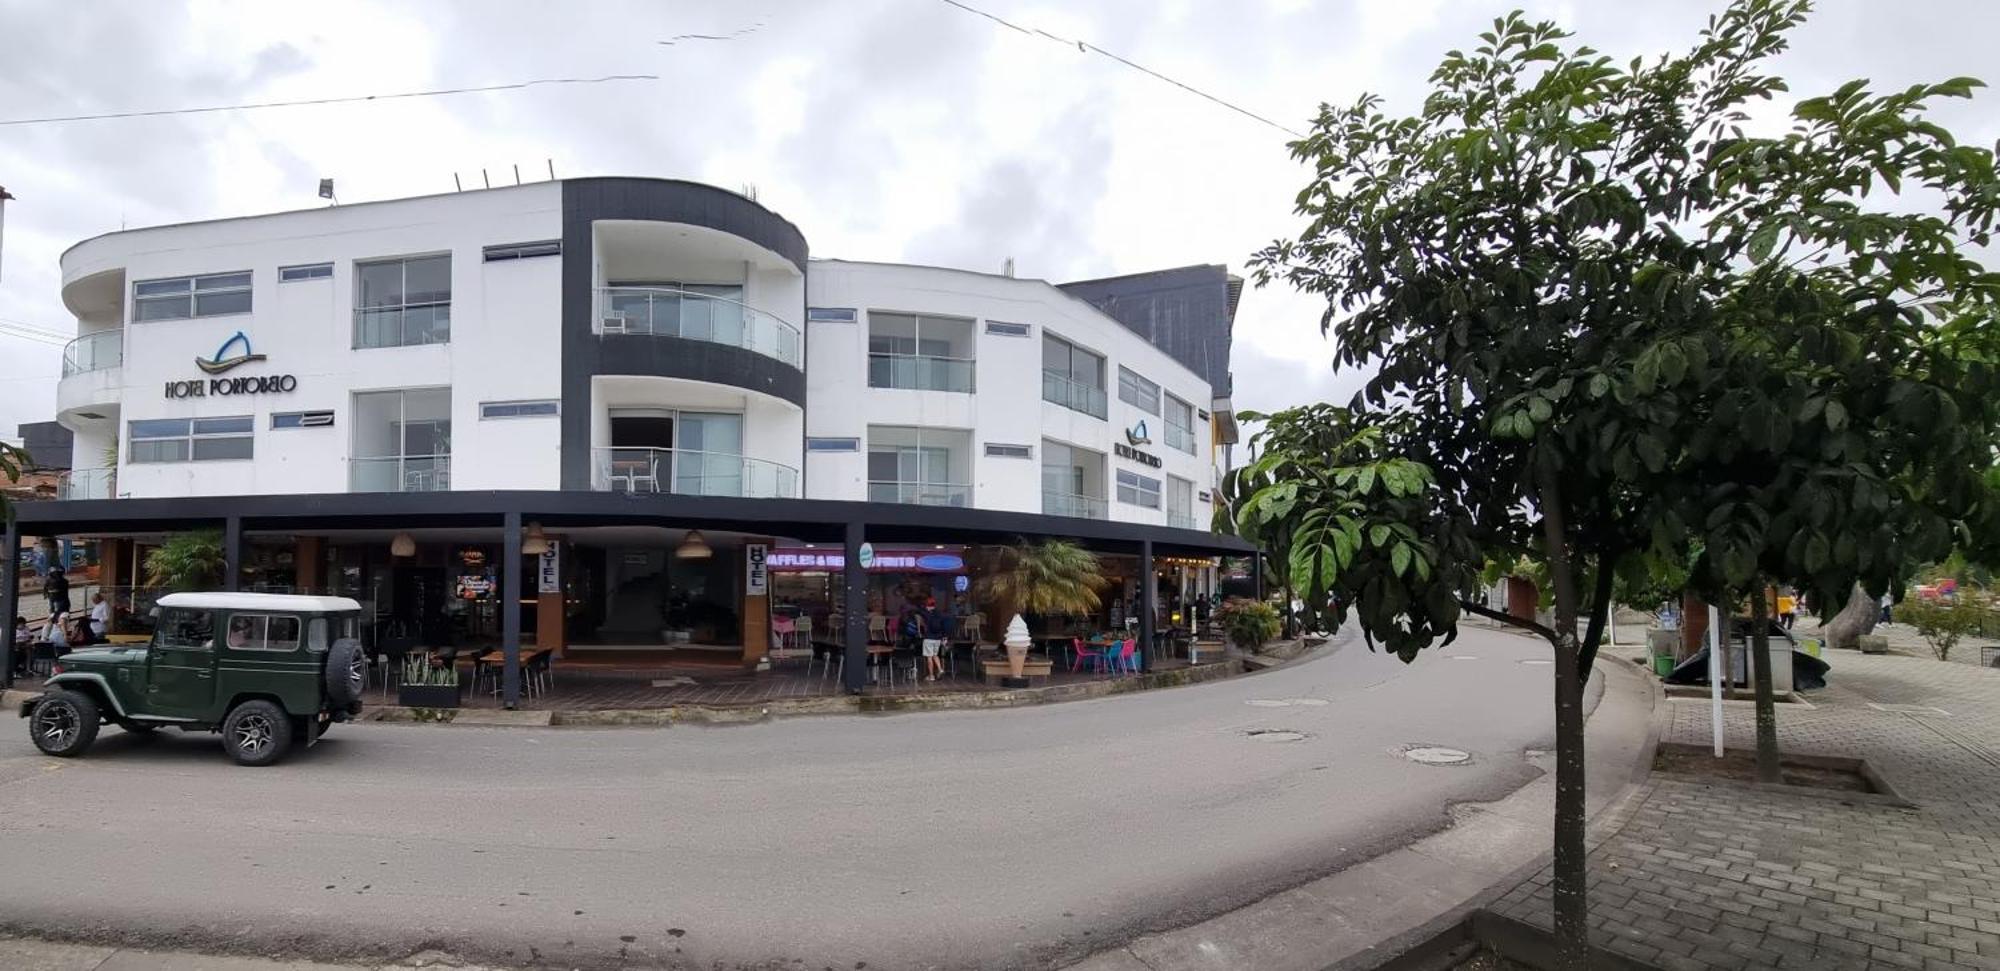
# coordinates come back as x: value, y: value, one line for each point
x: 886, y: 129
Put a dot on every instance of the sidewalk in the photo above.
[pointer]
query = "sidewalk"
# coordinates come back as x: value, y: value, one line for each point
x: 19, y: 954
x: 1388, y: 903
x: 1717, y: 875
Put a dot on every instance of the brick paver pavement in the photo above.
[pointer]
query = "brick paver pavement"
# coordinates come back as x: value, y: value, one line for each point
x: 1716, y: 875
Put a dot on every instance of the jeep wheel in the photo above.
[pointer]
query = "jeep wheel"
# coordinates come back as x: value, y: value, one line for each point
x: 346, y: 673
x: 64, y: 723
x: 257, y: 733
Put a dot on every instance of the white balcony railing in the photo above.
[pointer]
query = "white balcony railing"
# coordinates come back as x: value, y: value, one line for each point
x: 1071, y: 395
x: 1071, y: 504
x: 673, y: 312
x: 1181, y: 520
x: 400, y: 473
x: 87, y: 484
x: 686, y: 472
x: 1180, y: 438
x: 920, y: 493
x: 94, y: 352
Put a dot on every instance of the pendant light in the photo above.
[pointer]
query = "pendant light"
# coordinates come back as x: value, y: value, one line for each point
x: 403, y: 545
x: 536, y: 542
x: 695, y: 547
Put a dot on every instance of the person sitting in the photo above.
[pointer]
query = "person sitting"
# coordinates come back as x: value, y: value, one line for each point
x: 100, y: 617
x: 55, y: 633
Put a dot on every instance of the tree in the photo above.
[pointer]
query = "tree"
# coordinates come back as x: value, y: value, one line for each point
x: 1547, y: 266
x: 1050, y: 578
x: 187, y: 561
x: 1942, y: 623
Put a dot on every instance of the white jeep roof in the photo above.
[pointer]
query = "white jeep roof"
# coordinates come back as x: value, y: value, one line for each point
x: 294, y: 603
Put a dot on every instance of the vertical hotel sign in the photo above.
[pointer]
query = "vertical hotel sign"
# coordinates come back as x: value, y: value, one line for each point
x: 756, y: 570
x: 548, y: 570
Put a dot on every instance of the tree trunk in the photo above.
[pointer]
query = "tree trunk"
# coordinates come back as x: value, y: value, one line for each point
x: 1760, y: 662
x: 1572, y: 908
x: 1854, y: 620
x: 1291, y: 622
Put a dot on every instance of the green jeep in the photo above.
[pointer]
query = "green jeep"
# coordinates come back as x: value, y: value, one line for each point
x: 265, y: 670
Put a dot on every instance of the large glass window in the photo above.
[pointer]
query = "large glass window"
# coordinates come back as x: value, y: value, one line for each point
x: 1180, y: 503
x: 398, y: 303
x: 213, y: 295
x: 1180, y: 425
x: 1072, y: 377
x: 1138, y: 392
x: 1072, y: 481
x: 920, y: 352
x: 919, y: 466
x: 402, y: 441
x: 190, y: 439
x: 1138, y: 490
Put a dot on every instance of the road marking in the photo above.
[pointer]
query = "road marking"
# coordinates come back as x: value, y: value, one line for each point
x: 1436, y: 755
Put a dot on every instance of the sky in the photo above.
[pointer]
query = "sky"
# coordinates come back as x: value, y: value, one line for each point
x: 899, y: 130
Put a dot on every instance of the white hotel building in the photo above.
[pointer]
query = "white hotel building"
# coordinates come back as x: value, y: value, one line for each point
x: 614, y: 364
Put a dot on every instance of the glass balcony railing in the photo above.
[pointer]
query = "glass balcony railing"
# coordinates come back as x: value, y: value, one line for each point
x: 1071, y: 395
x: 400, y: 473
x: 402, y: 326
x: 1073, y: 505
x: 920, y: 493
x: 686, y: 472
x: 87, y: 484
x: 1180, y: 438
x: 1181, y: 520
x: 94, y: 352
x: 919, y: 372
x: 673, y: 312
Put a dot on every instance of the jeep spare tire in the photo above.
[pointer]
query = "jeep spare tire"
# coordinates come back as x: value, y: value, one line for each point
x: 346, y: 673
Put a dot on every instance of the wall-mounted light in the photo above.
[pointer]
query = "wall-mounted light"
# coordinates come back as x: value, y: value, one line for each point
x: 695, y: 547
x: 403, y: 545
x: 536, y: 542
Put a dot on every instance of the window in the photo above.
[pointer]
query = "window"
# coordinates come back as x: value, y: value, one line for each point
x: 302, y: 419
x: 918, y: 352
x: 311, y: 271
x: 402, y: 441
x: 833, y: 444
x: 522, y: 251
x: 1072, y: 481
x: 185, y: 628
x: 1072, y: 377
x: 399, y: 303
x: 999, y: 451
x: 1138, y: 490
x: 1180, y: 503
x: 263, y: 632
x: 519, y: 409
x: 191, y: 296
x: 190, y: 439
x: 1002, y: 329
x: 830, y: 315
x: 919, y: 466
x: 1180, y: 425
x: 1138, y: 392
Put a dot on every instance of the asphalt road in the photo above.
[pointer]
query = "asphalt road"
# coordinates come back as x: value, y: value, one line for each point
x: 1011, y: 838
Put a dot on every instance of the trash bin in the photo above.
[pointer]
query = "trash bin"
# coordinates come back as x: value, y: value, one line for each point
x: 1663, y: 664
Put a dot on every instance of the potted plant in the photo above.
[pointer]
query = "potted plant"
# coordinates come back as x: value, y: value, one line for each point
x: 1249, y: 623
x: 187, y: 561
x: 428, y: 682
x: 1050, y: 578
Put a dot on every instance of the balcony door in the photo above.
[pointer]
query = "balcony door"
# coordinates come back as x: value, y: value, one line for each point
x: 690, y: 453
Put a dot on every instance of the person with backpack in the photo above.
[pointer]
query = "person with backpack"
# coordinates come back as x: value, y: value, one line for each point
x: 56, y: 587
x: 937, y: 632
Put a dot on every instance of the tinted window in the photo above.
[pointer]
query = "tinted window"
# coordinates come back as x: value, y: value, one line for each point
x: 184, y: 627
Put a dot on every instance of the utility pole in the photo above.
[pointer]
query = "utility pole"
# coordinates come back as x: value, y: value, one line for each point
x: 4, y: 196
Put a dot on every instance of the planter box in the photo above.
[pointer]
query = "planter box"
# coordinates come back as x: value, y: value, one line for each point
x: 430, y: 695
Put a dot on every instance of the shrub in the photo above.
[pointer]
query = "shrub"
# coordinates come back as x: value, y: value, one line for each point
x: 1942, y: 622
x: 1249, y: 623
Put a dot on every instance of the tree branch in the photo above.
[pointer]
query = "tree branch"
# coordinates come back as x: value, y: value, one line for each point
x: 1474, y: 607
x: 1600, y: 609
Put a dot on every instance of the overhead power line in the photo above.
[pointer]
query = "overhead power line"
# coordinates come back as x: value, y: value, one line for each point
x: 1090, y: 48
x: 209, y: 109
x: 15, y: 328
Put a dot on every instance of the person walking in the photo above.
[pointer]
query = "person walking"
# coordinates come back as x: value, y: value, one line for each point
x: 1788, y: 608
x: 937, y: 633
x: 56, y: 586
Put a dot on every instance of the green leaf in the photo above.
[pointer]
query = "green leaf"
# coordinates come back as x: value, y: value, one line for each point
x: 1399, y: 558
x: 1763, y: 241
x: 1836, y: 416
x: 1816, y: 553
x: 1538, y: 409
x: 1378, y: 536
x: 1599, y: 385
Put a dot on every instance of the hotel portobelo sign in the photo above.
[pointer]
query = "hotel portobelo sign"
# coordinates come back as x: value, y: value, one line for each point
x: 1136, y: 436
x: 224, y: 362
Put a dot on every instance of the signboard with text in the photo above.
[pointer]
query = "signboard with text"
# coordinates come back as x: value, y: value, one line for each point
x: 548, y: 570
x: 757, y: 575
x: 883, y: 561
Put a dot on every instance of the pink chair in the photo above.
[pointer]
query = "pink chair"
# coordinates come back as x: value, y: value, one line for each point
x: 1124, y: 662
x: 1085, y: 656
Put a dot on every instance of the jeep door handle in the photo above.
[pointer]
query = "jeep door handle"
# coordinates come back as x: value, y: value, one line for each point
x: 204, y: 674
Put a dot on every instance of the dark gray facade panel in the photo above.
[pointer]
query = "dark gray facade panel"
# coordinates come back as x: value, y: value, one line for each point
x: 585, y: 354
x: 48, y: 444
x: 1186, y: 312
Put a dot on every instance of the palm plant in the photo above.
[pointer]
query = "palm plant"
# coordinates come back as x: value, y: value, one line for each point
x: 187, y: 561
x: 1051, y: 578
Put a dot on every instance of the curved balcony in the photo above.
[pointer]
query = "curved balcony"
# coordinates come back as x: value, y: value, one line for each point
x: 686, y: 472
x: 94, y: 352
x: 674, y: 312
